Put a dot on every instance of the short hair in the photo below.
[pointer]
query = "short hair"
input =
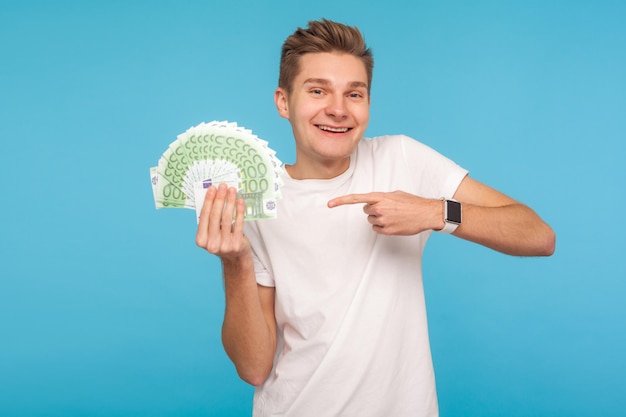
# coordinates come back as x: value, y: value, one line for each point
x: 322, y: 36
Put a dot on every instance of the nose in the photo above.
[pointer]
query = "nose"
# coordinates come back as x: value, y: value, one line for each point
x: 336, y: 107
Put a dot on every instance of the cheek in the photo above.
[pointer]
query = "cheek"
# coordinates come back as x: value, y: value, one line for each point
x: 304, y: 113
x: 363, y: 116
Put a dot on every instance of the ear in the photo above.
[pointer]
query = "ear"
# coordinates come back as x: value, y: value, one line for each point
x: 280, y: 99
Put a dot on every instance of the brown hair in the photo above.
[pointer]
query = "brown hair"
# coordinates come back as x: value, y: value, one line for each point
x: 322, y: 36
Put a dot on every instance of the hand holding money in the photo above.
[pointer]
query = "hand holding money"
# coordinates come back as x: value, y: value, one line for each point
x: 215, y: 153
x: 220, y: 226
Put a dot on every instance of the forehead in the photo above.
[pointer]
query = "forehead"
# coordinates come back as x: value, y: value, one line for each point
x: 336, y: 68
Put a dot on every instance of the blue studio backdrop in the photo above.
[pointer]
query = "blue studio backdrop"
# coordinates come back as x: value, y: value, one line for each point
x: 107, y: 307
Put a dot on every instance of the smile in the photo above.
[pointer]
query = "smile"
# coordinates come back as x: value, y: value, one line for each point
x: 333, y: 129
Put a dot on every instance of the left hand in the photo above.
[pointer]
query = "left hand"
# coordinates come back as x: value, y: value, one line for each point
x: 397, y: 212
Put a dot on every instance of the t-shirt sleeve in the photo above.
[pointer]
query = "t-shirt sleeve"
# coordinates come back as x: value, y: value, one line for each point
x: 433, y: 174
x: 263, y: 275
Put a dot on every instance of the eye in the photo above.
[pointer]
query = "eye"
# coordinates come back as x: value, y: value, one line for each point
x: 356, y: 95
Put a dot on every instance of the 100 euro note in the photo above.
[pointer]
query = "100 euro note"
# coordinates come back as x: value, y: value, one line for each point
x: 214, y: 153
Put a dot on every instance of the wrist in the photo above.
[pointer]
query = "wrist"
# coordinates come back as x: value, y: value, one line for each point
x: 438, y: 215
x: 238, y: 263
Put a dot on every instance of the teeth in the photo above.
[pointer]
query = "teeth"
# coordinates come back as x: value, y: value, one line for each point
x: 334, y: 129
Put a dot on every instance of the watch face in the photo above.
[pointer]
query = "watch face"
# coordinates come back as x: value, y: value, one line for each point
x: 453, y: 213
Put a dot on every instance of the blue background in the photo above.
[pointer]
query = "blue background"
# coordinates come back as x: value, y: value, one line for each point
x: 107, y: 307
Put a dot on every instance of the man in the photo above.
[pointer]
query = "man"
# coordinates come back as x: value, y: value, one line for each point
x: 325, y: 309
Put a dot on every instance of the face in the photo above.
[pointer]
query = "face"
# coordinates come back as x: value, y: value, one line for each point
x: 328, y: 109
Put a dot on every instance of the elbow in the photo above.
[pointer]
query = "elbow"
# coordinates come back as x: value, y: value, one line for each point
x: 537, y: 243
x: 552, y: 246
x: 548, y: 245
x: 254, y: 378
x: 253, y: 367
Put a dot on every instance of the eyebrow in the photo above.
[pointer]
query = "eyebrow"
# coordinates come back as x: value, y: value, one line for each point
x: 325, y: 82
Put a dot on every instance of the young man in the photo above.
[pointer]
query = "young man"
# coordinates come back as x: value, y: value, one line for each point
x: 325, y: 308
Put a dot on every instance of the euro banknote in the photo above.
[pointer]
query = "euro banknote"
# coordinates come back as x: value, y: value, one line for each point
x: 214, y: 153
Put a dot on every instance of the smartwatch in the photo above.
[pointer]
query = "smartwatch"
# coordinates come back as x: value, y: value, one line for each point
x: 451, y: 215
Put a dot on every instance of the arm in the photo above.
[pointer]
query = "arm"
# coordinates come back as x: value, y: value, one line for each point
x: 249, y: 328
x: 490, y: 218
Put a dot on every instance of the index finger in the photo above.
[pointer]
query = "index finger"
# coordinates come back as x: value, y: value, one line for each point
x: 367, y: 198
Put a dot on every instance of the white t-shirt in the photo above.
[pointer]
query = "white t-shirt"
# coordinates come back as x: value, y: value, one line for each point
x: 350, y: 310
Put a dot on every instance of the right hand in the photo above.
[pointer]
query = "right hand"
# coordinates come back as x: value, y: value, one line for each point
x: 218, y: 233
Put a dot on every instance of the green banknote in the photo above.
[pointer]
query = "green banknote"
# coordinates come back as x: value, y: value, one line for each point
x: 214, y: 153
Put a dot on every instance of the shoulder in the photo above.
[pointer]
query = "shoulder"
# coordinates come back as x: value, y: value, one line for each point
x: 401, y: 144
x: 379, y: 143
x: 385, y: 140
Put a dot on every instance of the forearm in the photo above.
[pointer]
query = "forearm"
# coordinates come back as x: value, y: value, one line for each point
x: 514, y: 229
x: 248, y: 339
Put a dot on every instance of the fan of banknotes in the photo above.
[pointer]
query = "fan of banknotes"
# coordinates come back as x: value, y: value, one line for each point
x: 214, y: 153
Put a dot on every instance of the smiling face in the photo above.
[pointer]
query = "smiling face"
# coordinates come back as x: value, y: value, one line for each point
x: 328, y: 108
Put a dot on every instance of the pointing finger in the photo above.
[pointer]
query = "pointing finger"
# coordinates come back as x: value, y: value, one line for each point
x: 368, y: 198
